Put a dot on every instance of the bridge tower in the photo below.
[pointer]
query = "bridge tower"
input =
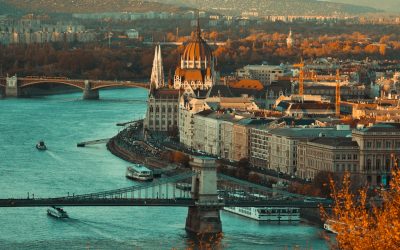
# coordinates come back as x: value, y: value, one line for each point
x: 89, y: 93
x: 12, y: 89
x: 204, y: 217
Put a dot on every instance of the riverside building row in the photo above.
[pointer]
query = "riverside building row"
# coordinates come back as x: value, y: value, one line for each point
x: 368, y: 154
x: 209, y: 120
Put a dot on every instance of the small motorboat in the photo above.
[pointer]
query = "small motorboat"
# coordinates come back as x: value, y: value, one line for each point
x: 41, y: 146
x: 57, y: 212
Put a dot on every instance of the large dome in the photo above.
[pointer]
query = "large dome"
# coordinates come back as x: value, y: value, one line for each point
x: 197, y: 49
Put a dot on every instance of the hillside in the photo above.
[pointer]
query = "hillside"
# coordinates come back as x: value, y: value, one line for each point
x: 388, y: 5
x: 87, y: 6
x: 275, y: 7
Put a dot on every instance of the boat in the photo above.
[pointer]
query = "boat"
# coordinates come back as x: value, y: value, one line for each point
x: 57, y: 212
x: 329, y: 226
x: 267, y: 213
x: 139, y: 173
x: 41, y: 146
x: 183, y: 186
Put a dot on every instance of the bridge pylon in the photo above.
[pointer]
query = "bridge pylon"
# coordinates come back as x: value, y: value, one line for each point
x: 12, y: 89
x: 89, y: 93
x: 204, y: 216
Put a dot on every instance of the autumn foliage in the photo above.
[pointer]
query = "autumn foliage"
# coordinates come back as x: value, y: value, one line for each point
x: 362, y: 223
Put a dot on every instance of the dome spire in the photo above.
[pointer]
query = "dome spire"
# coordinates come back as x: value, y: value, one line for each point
x: 198, y: 30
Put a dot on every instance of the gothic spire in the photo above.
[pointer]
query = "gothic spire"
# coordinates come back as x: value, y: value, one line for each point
x: 157, y: 72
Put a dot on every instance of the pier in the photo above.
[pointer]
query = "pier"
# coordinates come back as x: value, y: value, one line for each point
x: 85, y: 143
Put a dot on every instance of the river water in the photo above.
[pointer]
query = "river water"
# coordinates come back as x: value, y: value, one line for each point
x: 62, y: 121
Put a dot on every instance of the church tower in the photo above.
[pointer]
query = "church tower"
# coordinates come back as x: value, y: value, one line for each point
x: 157, y: 73
x: 289, y: 40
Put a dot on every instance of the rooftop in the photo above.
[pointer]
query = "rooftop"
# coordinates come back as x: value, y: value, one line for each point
x: 335, y: 141
x: 310, y: 132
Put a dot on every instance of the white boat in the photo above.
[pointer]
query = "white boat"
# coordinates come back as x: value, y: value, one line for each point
x: 139, y: 173
x: 183, y: 186
x: 267, y: 213
x: 57, y: 212
x: 328, y: 226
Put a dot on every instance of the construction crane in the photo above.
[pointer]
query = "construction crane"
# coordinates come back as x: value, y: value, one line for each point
x: 337, y: 101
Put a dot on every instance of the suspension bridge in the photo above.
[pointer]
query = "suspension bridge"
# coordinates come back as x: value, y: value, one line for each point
x: 209, y: 193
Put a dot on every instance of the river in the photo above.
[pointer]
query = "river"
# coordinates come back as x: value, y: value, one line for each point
x: 62, y: 121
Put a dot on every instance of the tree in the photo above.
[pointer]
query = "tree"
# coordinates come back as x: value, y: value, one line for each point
x: 364, y: 225
x: 382, y: 49
x: 243, y: 168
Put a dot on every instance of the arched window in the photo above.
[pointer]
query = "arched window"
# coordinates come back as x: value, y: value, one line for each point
x: 151, y: 109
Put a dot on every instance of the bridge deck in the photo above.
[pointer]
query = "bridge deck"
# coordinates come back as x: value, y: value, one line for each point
x: 172, y: 202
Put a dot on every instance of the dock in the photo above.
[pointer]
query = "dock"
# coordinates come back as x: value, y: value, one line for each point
x: 126, y: 123
x: 85, y: 143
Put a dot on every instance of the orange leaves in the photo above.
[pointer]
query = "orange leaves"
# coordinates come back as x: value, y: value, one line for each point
x: 363, y: 223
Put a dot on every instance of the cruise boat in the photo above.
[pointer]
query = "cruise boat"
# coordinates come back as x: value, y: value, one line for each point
x: 328, y: 226
x: 267, y: 213
x: 139, y: 173
x: 57, y: 212
x: 41, y: 146
x: 183, y: 186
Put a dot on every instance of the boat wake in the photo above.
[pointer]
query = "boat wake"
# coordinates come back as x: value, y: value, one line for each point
x: 55, y: 157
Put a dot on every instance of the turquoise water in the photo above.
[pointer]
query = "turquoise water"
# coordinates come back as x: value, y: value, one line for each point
x: 62, y: 121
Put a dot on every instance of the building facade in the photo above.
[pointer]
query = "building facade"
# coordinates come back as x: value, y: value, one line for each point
x: 284, y: 141
x: 379, y: 151
x: 266, y: 74
x: 337, y: 154
x: 260, y: 147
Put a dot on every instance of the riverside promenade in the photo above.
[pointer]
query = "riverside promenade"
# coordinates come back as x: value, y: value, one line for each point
x: 129, y: 145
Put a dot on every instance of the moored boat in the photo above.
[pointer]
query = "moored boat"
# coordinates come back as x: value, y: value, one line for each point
x: 183, y: 186
x: 139, y: 173
x: 267, y: 213
x: 41, y: 146
x: 57, y: 212
x: 329, y: 226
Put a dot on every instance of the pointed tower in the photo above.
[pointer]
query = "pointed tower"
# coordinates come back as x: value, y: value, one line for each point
x: 289, y: 40
x: 157, y: 73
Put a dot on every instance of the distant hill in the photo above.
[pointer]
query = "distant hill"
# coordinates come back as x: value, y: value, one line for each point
x: 388, y: 5
x: 86, y: 6
x: 230, y: 7
x: 277, y: 7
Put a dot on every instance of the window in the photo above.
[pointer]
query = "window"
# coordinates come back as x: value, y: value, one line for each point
x: 369, y: 144
x: 355, y: 157
x: 378, y: 164
x: 349, y: 157
x: 343, y: 157
x: 368, y: 164
x: 388, y: 144
x: 378, y: 144
x: 337, y: 156
x: 387, y: 164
